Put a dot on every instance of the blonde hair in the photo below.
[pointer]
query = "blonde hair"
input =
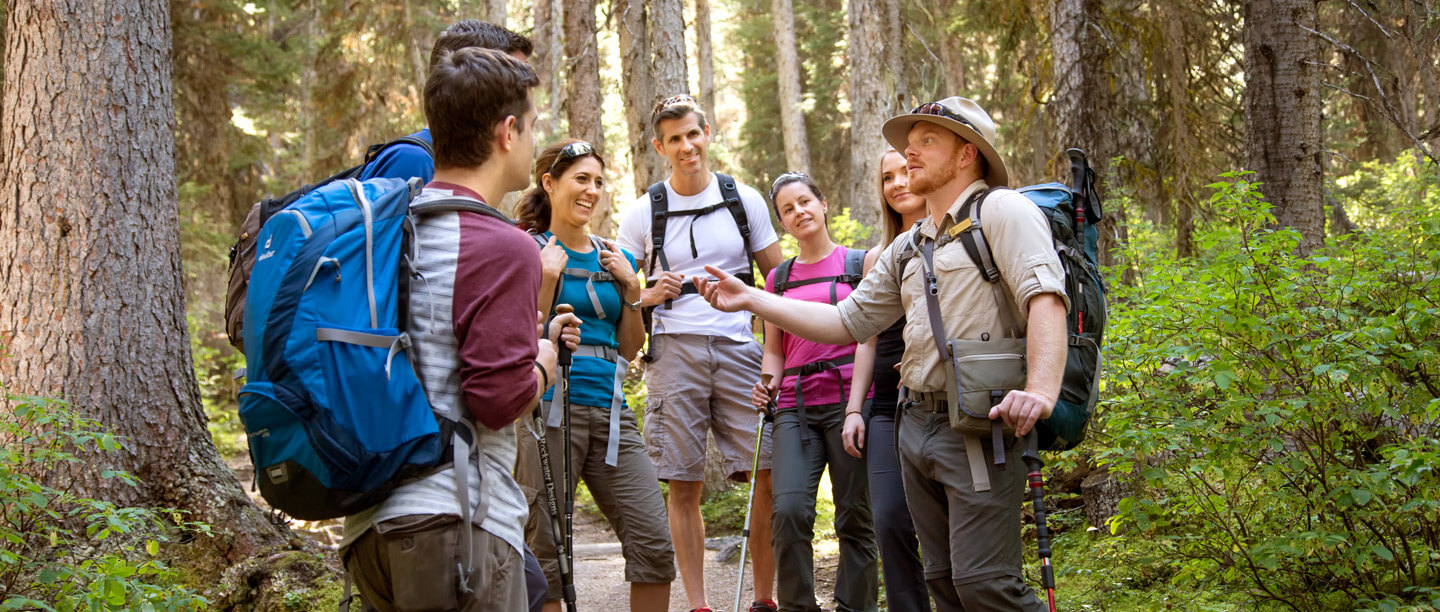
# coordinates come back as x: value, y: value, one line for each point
x: 893, y: 224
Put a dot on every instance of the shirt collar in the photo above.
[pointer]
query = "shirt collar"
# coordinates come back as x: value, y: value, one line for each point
x: 928, y: 228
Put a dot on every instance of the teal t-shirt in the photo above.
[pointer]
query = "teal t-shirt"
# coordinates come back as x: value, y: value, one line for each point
x: 592, y: 380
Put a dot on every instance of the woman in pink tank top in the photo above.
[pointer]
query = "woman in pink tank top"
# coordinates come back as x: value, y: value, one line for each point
x: 820, y: 386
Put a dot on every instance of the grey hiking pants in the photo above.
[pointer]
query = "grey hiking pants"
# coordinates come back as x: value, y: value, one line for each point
x: 800, y: 456
x: 970, y: 540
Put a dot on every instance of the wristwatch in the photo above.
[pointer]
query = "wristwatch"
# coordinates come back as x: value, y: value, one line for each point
x: 635, y: 305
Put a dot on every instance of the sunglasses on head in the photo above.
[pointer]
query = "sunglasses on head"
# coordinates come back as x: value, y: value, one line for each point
x: 785, y: 179
x: 572, y: 151
x: 939, y: 110
x: 676, y: 100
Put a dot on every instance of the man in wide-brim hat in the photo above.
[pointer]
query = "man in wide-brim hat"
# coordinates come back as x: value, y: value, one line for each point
x: 965, y: 507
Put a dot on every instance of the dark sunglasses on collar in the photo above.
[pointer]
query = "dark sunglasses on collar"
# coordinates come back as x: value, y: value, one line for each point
x: 939, y: 110
x: 785, y: 179
x: 572, y: 151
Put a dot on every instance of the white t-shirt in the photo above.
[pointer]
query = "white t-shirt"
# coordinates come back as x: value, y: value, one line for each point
x: 717, y: 242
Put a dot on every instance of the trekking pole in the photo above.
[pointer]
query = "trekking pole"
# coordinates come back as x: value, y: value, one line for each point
x: 1033, y: 463
x: 562, y: 390
x: 567, y: 578
x: 767, y: 413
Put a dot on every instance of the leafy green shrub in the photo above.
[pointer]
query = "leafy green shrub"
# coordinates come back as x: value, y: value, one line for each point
x: 62, y: 551
x: 1282, y: 410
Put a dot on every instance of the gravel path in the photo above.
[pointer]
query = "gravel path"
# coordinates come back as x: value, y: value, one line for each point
x: 600, y: 571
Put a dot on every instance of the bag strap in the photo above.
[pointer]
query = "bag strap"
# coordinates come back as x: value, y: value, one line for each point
x: 970, y: 232
x: 952, y: 368
x: 782, y: 276
x: 731, y: 196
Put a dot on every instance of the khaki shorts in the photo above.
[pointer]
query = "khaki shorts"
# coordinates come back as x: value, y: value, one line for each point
x: 698, y: 385
x: 411, y: 563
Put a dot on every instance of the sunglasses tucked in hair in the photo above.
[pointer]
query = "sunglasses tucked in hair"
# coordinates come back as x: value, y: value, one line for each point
x: 785, y: 179
x: 937, y: 109
x: 573, y: 150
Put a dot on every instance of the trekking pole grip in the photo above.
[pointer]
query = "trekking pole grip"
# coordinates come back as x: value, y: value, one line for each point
x: 563, y: 350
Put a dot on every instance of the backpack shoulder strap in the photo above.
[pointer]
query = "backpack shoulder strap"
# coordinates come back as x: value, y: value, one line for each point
x: 854, y: 267
x: 659, y: 207
x: 971, y: 234
x: 731, y: 196
x: 782, y: 276
x: 458, y: 205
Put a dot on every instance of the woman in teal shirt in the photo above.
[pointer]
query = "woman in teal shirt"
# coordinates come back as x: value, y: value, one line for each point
x: 599, y: 280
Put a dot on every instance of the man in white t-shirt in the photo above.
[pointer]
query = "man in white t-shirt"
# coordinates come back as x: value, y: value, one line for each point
x: 703, y: 362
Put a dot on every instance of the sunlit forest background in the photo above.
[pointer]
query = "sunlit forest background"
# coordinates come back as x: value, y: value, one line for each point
x: 1267, y: 437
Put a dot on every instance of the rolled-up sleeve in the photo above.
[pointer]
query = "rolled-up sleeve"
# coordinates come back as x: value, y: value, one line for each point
x: 1020, y: 239
x: 875, y: 305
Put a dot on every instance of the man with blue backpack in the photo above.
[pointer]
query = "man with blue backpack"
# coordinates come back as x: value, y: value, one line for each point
x: 472, y: 313
x: 987, y: 301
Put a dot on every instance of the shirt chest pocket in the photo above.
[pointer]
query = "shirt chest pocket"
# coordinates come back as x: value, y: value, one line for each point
x: 962, y: 291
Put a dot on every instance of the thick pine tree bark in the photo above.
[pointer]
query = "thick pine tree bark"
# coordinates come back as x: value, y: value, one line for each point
x: 705, y: 55
x: 1282, y: 112
x: 638, y: 84
x: 584, y: 99
x: 866, y: 57
x: 898, y: 88
x: 667, y: 44
x: 792, y: 120
x: 497, y: 12
x: 91, y: 304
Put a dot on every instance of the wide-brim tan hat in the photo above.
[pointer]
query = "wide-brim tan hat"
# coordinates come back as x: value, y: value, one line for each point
x: 959, y: 115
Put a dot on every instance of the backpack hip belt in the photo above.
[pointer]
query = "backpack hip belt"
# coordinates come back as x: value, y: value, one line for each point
x: 816, y: 367
x: 617, y: 396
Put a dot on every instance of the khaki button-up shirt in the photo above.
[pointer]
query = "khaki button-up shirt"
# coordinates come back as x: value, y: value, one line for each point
x: 1020, y: 241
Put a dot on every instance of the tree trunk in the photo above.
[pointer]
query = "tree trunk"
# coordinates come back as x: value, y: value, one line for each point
x: 898, y: 88
x: 91, y: 304
x: 667, y: 44
x: 638, y: 84
x: 705, y: 55
x: 865, y: 56
x: 1177, y: 98
x: 1282, y: 111
x: 548, y: 62
x: 584, y: 100
x: 792, y: 120
x: 497, y: 12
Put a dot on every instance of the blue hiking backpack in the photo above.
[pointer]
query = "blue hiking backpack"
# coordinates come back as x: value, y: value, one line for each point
x: 335, y: 415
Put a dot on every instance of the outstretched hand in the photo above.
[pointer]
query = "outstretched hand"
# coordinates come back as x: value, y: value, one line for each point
x: 726, y: 293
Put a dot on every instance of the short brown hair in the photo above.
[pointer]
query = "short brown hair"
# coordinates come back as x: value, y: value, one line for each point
x: 468, y: 92
x: 675, y: 107
x: 476, y: 33
x: 532, y: 212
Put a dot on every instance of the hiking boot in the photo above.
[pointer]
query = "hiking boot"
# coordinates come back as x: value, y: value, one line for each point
x: 767, y: 605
